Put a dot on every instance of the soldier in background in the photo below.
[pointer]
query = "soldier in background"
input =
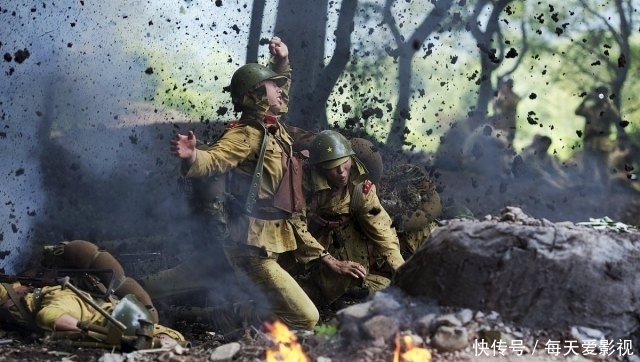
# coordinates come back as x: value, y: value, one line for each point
x: 346, y: 217
x: 534, y: 161
x: 600, y: 116
x: 487, y: 152
x: 505, y: 107
x: 410, y: 197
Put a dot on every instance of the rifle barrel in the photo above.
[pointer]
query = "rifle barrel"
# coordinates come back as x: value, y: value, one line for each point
x: 67, y: 284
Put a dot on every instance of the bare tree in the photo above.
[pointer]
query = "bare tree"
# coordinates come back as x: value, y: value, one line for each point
x: 404, y: 52
x: 491, y: 49
x: 255, y: 28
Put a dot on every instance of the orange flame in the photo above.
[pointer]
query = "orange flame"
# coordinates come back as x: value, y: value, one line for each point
x: 287, y: 348
x: 412, y: 353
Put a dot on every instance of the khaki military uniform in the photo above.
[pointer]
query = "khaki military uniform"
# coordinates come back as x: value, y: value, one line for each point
x: 358, y: 229
x: 45, y: 305
x: 600, y: 115
x: 256, y: 241
x: 505, y: 107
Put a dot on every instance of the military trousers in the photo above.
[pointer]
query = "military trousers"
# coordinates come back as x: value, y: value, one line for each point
x: 286, y: 299
x: 325, y: 286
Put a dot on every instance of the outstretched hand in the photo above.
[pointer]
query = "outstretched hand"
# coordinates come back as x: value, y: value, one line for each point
x: 345, y: 267
x: 278, y: 49
x: 184, y: 147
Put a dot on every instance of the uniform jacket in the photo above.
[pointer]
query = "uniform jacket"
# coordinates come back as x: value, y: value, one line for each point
x: 45, y: 305
x: 367, y: 222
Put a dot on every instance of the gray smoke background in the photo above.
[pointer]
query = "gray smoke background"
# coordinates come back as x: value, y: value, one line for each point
x: 75, y: 115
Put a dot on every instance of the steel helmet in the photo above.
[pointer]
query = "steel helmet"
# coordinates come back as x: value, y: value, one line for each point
x: 133, y: 314
x: 248, y: 76
x: 329, y: 146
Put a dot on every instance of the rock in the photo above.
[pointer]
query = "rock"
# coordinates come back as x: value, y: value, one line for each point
x: 381, y: 326
x: 541, y: 276
x: 225, y: 353
x: 384, y: 303
x: 447, y: 320
x: 465, y: 316
x: 423, y: 324
x: 111, y: 357
x: 449, y: 339
x: 354, y: 312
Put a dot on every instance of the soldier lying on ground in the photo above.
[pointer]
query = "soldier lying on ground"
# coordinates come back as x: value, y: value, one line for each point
x: 56, y: 309
x: 101, y: 307
x: 346, y: 217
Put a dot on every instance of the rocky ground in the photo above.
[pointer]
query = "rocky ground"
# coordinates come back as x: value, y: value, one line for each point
x: 365, y: 331
x: 107, y: 200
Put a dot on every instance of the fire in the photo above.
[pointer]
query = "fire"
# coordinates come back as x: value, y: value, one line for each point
x: 412, y: 353
x: 287, y: 348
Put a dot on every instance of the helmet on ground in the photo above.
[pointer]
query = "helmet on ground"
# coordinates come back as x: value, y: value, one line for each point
x: 457, y: 211
x: 329, y: 149
x: 248, y: 77
x: 130, y: 312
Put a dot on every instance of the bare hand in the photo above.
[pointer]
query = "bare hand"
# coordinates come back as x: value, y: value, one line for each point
x: 278, y: 49
x: 345, y: 267
x: 184, y: 147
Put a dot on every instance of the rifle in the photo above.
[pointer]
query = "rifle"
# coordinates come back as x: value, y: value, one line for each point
x: 49, y: 277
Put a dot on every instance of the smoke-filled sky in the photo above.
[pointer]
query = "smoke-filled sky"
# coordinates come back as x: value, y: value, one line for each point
x: 73, y: 67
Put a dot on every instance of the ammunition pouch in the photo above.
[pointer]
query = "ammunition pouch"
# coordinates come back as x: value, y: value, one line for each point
x: 290, y: 197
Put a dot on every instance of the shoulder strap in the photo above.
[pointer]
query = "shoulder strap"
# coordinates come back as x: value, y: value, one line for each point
x: 252, y: 197
x: 18, y: 301
x: 357, y: 195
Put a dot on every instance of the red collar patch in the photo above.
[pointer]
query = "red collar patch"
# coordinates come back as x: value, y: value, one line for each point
x: 270, y: 120
x: 366, y: 186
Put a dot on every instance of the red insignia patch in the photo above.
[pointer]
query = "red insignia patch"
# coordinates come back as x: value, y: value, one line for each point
x: 366, y: 186
x: 233, y: 124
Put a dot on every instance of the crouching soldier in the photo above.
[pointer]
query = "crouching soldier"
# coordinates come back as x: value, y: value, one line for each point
x: 346, y: 217
x: 411, y: 197
x: 67, y: 313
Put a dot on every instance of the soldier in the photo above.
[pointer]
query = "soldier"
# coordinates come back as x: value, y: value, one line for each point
x: 346, y: 217
x: 102, y: 307
x: 505, y: 107
x: 487, y: 152
x: 86, y: 256
x: 411, y: 197
x: 535, y: 161
x: 266, y: 187
x: 60, y: 308
x: 600, y: 115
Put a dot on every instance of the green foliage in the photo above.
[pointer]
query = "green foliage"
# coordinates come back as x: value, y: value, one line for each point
x: 190, y: 87
x: 328, y: 330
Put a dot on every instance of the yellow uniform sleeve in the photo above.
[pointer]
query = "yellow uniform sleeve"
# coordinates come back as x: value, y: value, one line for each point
x: 375, y: 223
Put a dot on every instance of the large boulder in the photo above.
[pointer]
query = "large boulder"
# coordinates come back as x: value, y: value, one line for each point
x: 537, y: 273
